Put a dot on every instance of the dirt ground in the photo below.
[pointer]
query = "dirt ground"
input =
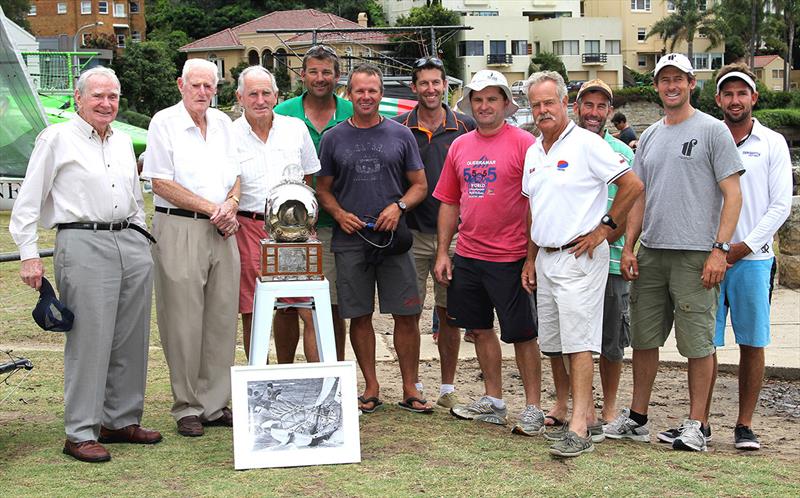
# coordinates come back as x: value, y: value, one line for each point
x: 776, y: 421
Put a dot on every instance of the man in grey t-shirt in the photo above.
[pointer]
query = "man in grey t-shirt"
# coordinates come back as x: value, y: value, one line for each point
x: 690, y: 168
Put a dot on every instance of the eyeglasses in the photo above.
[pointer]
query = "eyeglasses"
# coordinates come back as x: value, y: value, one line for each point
x: 318, y: 49
x: 428, y: 61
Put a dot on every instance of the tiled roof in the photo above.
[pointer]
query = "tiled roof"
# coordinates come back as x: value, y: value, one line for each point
x: 289, y: 19
x: 763, y: 60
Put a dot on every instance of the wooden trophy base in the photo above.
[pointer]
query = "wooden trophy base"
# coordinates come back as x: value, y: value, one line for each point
x: 287, y: 261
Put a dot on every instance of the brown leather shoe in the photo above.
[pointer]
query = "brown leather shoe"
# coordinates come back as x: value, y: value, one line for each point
x: 190, y: 426
x: 225, y: 420
x: 87, y: 451
x: 134, y: 433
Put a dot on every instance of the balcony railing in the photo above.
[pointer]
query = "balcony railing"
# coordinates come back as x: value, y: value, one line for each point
x: 595, y: 58
x: 498, y: 59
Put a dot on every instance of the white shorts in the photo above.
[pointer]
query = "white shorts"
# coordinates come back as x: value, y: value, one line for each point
x: 570, y: 293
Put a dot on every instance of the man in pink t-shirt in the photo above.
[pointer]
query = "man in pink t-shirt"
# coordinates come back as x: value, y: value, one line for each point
x: 481, y: 185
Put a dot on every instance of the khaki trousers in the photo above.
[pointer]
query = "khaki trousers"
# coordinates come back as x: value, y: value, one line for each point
x: 197, y: 297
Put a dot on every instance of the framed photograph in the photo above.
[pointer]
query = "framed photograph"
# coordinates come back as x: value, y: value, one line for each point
x: 295, y: 414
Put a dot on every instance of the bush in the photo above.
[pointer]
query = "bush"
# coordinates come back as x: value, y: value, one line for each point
x: 635, y: 94
x: 134, y: 118
x: 774, y: 118
x: 226, y: 95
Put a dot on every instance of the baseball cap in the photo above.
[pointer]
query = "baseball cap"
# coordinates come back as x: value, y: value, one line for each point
x: 483, y: 79
x: 677, y: 60
x: 50, y: 313
x: 596, y: 85
x: 736, y: 74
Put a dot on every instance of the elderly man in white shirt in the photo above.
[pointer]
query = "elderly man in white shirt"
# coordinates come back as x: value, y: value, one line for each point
x: 268, y: 143
x: 82, y: 179
x: 192, y: 163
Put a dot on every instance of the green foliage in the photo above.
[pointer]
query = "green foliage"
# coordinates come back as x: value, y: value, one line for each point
x: 237, y: 70
x: 147, y: 73
x: 774, y: 118
x: 134, y: 118
x: 740, y: 22
x: 173, y: 40
x: 686, y: 22
x: 635, y: 94
x: 642, y: 79
x: 434, y: 15
x: 101, y: 40
x: 17, y: 11
x: 349, y: 9
x: 226, y: 94
x: 548, y: 61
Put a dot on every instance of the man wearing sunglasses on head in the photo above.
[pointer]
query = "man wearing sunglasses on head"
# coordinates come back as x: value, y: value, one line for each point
x: 320, y: 109
x: 434, y: 126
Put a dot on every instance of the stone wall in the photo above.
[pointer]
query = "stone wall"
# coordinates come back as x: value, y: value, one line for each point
x: 789, y: 247
x: 641, y: 114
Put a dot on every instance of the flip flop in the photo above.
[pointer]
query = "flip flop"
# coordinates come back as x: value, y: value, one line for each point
x: 375, y: 404
x: 408, y: 404
x: 556, y: 421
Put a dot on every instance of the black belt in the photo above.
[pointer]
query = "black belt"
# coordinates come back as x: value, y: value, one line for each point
x: 182, y: 212
x: 111, y: 227
x: 253, y: 216
x: 562, y: 248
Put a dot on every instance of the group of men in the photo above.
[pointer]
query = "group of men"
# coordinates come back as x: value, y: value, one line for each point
x: 530, y: 229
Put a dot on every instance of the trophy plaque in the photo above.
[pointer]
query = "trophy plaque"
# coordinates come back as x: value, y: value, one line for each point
x: 291, y: 252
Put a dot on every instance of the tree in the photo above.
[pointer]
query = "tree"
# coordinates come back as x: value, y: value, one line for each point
x: 434, y: 15
x: 548, y: 61
x: 17, y: 11
x: 349, y: 9
x: 788, y: 12
x: 147, y: 75
x: 687, y: 21
x: 742, y: 23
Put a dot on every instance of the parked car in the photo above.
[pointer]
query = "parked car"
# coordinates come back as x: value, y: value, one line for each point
x: 574, y: 86
x: 518, y: 88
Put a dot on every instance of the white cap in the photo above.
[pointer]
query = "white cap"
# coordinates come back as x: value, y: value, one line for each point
x: 677, y: 60
x: 482, y: 79
x: 737, y: 74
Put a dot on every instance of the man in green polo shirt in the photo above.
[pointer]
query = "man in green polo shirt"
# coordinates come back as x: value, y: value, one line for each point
x: 592, y: 107
x: 320, y: 110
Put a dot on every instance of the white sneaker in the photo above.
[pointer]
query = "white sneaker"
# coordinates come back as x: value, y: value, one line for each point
x: 481, y: 410
x: 531, y: 422
x: 691, y: 438
x: 623, y: 427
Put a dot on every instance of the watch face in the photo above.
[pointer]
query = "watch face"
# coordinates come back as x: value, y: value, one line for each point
x: 402, y: 205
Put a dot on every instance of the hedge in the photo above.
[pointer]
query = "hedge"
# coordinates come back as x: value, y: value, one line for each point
x: 774, y: 118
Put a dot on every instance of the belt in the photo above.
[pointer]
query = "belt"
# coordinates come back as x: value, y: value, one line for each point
x: 182, y: 212
x: 111, y: 227
x: 254, y: 216
x: 562, y: 248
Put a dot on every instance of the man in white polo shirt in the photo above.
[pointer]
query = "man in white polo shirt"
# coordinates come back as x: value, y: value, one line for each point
x: 566, y: 179
x: 268, y: 143
x: 192, y: 162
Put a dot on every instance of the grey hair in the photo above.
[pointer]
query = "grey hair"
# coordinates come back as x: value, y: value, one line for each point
x: 254, y: 69
x: 200, y: 64
x: 105, y: 72
x: 543, y: 76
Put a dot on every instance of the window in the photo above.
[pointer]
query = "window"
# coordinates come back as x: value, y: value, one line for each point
x: 716, y: 61
x: 641, y: 34
x: 613, y: 47
x: 468, y: 48
x: 61, y: 8
x: 86, y: 7
x: 85, y: 38
x: 497, y: 46
x: 701, y: 5
x: 700, y: 61
x: 591, y: 47
x: 483, y: 13
x: 121, y: 41
x: 670, y: 6
x: 136, y: 37
x: 134, y: 7
x: 642, y: 62
x: 32, y: 11
x: 102, y: 7
x: 566, y: 47
x: 777, y: 73
x: 519, y: 47
x: 119, y: 10
x: 640, y: 5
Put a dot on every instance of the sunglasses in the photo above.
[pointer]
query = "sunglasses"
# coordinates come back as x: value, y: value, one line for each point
x: 428, y: 61
x: 316, y: 49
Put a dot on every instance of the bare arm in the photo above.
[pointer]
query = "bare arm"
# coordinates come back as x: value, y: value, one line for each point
x: 418, y: 189
x: 348, y: 222
x: 529, y: 268
x: 446, y: 229
x: 716, y: 264
x: 628, y: 262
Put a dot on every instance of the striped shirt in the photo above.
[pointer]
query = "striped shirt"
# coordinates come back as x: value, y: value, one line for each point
x: 615, y: 248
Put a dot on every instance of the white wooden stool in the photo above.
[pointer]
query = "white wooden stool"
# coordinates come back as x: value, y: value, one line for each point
x: 264, y: 301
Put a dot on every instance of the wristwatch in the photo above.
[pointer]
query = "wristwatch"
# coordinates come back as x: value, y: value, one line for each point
x: 608, y: 220
x: 722, y: 246
x: 401, y: 205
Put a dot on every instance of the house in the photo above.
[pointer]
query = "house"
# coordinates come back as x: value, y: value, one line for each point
x: 769, y: 70
x: 275, y: 51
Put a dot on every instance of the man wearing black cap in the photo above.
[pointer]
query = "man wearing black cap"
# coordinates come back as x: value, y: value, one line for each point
x: 82, y: 179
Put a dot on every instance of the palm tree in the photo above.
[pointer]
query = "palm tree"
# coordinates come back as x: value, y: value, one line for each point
x: 789, y: 12
x: 687, y: 21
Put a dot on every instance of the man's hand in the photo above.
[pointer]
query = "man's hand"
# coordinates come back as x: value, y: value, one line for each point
x: 737, y: 252
x: 443, y: 269
x: 389, y: 218
x: 588, y: 242
x: 224, y: 218
x: 629, y: 265
x: 348, y: 222
x: 529, y: 276
x: 32, y: 272
x: 714, y: 268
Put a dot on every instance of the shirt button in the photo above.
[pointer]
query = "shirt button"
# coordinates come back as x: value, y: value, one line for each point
x: 108, y: 165
x: 115, y: 206
x: 112, y: 185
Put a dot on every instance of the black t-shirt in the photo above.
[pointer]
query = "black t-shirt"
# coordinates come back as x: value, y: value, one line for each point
x: 627, y: 135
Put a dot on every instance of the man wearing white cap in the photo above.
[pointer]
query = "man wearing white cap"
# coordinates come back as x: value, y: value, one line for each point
x: 690, y: 168
x: 766, y: 203
x: 480, y: 186
x: 566, y: 179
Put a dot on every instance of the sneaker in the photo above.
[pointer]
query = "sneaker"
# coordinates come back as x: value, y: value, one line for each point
x: 669, y: 435
x: 481, y: 410
x: 745, y: 439
x: 691, y: 438
x: 623, y: 427
x: 572, y: 445
x: 556, y: 432
x: 530, y: 423
x: 448, y: 400
x: 595, y: 431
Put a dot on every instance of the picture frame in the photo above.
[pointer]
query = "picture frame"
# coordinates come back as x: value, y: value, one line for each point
x: 295, y: 414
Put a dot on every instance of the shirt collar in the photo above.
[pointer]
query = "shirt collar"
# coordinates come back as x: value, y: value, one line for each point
x: 185, y: 119
x: 758, y: 130
x: 337, y: 112
x: 570, y: 127
x: 450, y: 120
x: 87, y: 129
